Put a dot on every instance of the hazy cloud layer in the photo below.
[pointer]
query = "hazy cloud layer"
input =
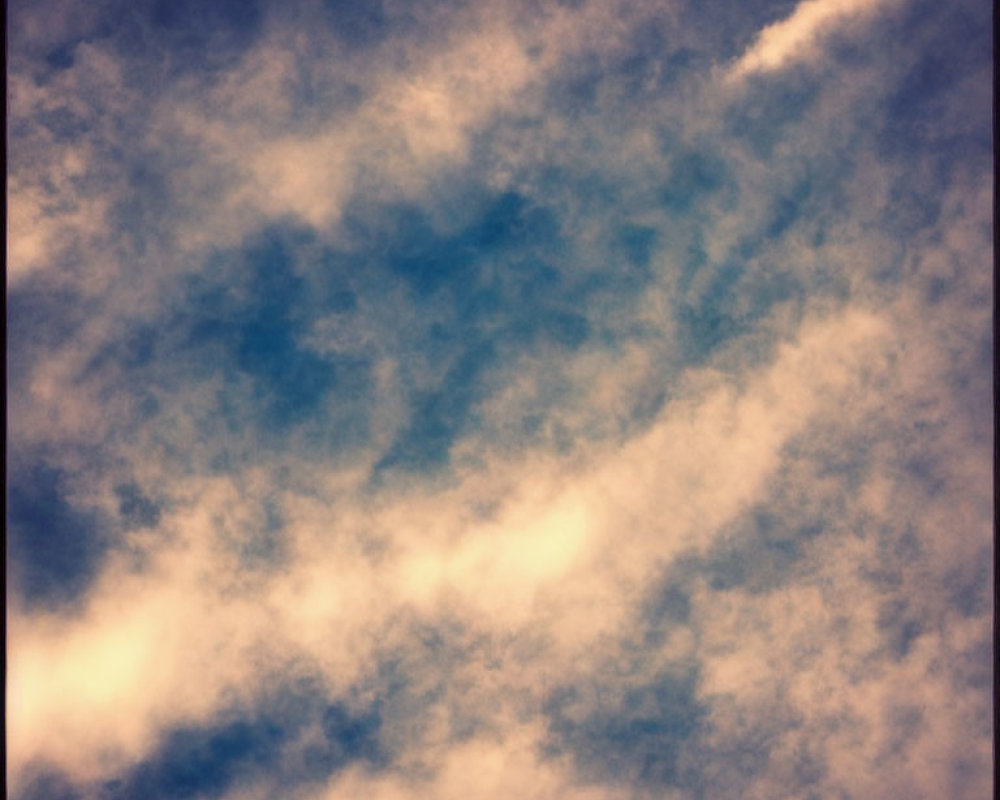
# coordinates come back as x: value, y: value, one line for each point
x: 527, y: 399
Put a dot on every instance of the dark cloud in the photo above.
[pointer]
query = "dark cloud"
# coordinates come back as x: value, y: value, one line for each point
x: 640, y: 739
x: 55, y: 545
x: 497, y: 291
x: 900, y: 626
x: 403, y: 239
x: 47, y: 784
x: 358, y: 25
x: 954, y: 44
x: 201, y: 762
x: 249, y: 323
x: 967, y: 587
x: 694, y: 176
x: 638, y: 243
x: 440, y: 416
x: 42, y: 317
x: 193, y: 36
x: 135, y: 508
x: 755, y: 565
x: 296, y: 737
x: 709, y: 324
x: 732, y: 305
x: 769, y: 112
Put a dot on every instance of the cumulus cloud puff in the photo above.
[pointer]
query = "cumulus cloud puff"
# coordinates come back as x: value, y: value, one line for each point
x: 535, y: 399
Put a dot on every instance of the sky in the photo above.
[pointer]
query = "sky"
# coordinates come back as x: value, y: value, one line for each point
x: 513, y: 399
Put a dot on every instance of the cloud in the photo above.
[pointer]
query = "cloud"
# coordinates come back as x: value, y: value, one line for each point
x: 437, y: 400
x: 517, y: 567
x: 794, y: 38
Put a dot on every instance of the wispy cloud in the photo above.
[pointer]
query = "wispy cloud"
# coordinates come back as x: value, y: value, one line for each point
x: 426, y: 399
x: 797, y: 37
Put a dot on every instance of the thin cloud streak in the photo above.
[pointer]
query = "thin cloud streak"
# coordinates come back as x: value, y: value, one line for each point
x: 796, y: 37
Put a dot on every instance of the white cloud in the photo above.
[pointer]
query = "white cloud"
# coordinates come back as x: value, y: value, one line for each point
x: 569, y: 554
x: 533, y: 565
x: 797, y: 38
